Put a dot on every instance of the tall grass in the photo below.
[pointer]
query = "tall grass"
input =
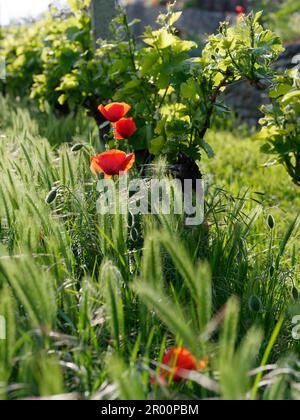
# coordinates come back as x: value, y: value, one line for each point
x: 91, y: 308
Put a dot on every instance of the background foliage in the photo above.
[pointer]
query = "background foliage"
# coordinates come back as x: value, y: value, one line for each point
x: 173, y: 95
x: 93, y: 302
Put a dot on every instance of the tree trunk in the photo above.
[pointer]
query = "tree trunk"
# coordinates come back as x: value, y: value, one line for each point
x: 103, y: 11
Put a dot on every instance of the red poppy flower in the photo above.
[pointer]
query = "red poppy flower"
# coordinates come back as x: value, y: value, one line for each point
x: 177, y: 361
x: 124, y: 128
x: 112, y: 162
x: 115, y: 111
x: 240, y: 10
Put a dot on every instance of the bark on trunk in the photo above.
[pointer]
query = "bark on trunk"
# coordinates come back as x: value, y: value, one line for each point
x: 103, y: 11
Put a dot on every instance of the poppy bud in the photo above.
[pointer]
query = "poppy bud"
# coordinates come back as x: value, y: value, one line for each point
x: 51, y: 197
x: 77, y: 147
x: 271, y: 222
x: 295, y: 293
x: 255, y: 304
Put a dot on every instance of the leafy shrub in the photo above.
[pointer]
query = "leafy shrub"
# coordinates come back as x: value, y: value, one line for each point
x: 281, y: 124
x: 21, y: 49
x: 174, y: 96
x: 285, y: 15
x: 68, y: 69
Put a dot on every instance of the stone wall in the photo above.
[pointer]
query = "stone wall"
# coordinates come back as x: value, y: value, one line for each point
x: 222, y: 5
x: 194, y: 22
x: 245, y: 99
x: 211, y: 5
